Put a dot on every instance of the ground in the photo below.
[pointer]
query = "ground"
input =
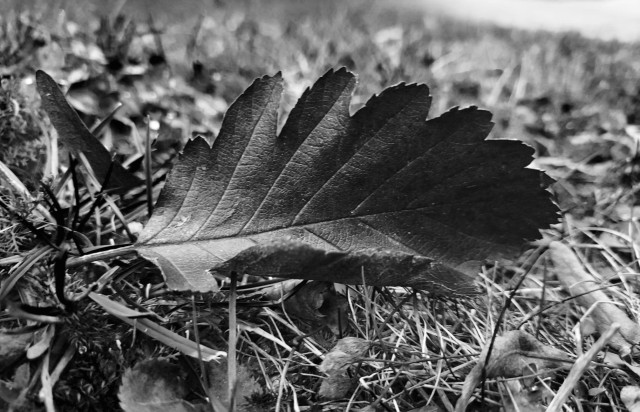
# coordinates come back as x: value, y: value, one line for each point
x: 575, y: 100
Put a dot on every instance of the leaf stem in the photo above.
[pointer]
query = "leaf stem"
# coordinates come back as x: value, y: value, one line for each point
x: 101, y: 255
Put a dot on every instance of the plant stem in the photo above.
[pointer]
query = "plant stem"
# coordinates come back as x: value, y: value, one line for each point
x: 233, y: 337
x: 101, y: 255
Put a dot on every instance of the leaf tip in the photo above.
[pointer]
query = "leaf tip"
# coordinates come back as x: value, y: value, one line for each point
x: 199, y: 141
x: 343, y: 70
x: 42, y: 78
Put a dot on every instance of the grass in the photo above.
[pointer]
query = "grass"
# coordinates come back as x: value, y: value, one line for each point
x: 573, y: 99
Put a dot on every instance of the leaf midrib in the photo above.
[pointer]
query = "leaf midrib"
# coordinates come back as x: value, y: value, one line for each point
x: 302, y: 225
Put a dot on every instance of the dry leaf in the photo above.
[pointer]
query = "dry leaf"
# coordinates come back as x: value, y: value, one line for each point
x: 15, y: 392
x: 13, y: 346
x: 155, y: 386
x: 514, y: 354
x: 630, y: 395
x: 579, y: 283
x: 521, y: 398
x: 315, y: 302
x: 247, y: 385
x: 336, y: 365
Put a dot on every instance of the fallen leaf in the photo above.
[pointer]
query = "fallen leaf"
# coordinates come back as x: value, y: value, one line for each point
x: 77, y: 138
x: 614, y: 360
x: 382, y: 194
x: 315, y: 302
x: 247, y: 386
x: 630, y: 395
x: 155, y: 386
x: 336, y: 364
x: 586, y: 289
x: 514, y: 354
x: 15, y: 391
x: 12, y: 346
x: 521, y: 398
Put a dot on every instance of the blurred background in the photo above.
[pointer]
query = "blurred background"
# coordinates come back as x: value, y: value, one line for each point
x: 604, y: 19
x: 559, y: 75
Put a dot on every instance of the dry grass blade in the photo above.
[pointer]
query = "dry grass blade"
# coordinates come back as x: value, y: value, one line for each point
x: 156, y: 331
x: 22, y: 269
x: 11, y: 180
x: 512, y: 355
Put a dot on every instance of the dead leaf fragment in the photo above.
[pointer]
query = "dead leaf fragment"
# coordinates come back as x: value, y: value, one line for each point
x: 521, y: 398
x: 514, y: 354
x: 336, y: 365
x: 247, y: 386
x: 155, y: 386
x: 314, y: 302
x: 579, y: 283
x: 14, y: 392
x: 13, y: 346
x: 630, y: 395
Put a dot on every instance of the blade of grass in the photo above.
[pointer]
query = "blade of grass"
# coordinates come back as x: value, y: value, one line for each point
x: 23, y: 268
x: 116, y: 210
x: 7, y: 176
x: 233, y: 338
x: 156, y: 331
x: 147, y: 168
x: 96, y: 131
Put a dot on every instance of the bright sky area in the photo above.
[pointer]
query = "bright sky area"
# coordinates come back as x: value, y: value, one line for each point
x: 608, y: 19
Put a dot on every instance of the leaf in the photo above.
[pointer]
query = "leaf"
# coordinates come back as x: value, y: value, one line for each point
x: 336, y: 363
x: 514, y: 354
x: 520, y: 398
x: 14, y: 392
x: 630, y: 395
x: 382, y: 194
x: 155, y: 386
x: 12, y: 346
x: 315, y: 302
x: 77, y: 138
x: 586, y: 289
x: 247, y: 386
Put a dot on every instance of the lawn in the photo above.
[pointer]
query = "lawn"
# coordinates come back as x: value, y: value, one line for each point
x: 327, y: 347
